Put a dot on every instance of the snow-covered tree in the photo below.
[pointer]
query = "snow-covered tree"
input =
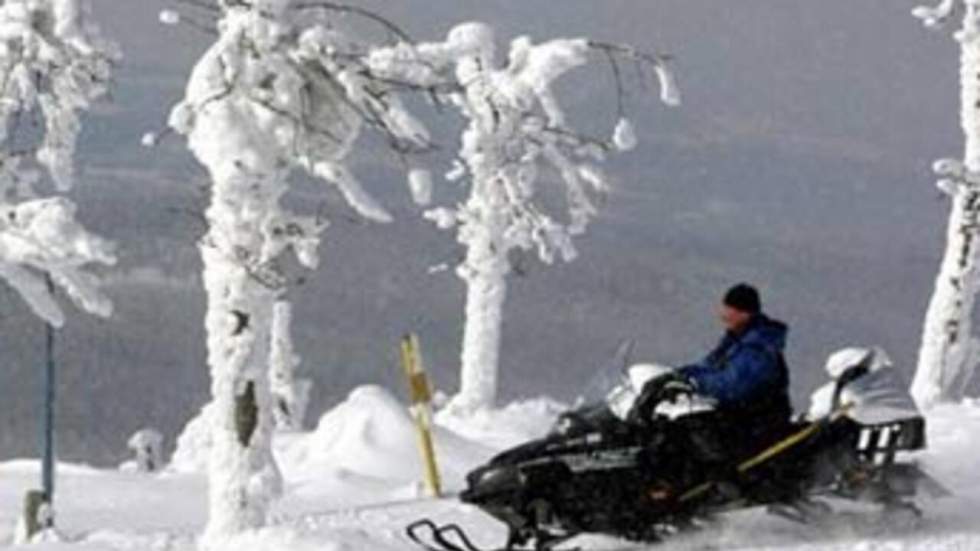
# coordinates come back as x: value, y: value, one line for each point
x: 147, y: 447
x: 280, y: 90
x: 54, y: 63
x: 949, y: 352
x: 292, y: 394
x: 516, y: 132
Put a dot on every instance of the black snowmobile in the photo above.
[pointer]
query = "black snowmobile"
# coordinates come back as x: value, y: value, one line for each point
x: 600, y: 471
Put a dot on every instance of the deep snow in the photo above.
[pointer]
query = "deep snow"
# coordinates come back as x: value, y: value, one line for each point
x: 352, y: 485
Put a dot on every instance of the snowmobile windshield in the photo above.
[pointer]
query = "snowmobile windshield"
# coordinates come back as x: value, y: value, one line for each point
x: 609, y: 376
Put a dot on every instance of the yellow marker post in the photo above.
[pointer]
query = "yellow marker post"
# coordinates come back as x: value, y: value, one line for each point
x: 420, y: 392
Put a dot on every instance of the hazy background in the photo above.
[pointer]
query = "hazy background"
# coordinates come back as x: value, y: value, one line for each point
x: 799, y: 161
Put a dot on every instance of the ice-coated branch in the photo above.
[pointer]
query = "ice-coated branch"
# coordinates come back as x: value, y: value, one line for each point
x: 41, y: 237
x: 935, y: 17
x: 517, y: 114
x: 390, y: 26
x: 669, y: 92
x: 55, y: 64
x: 939, y: 16
x: 955, y: 176
x: 175, y: 17
x: 201, y: 4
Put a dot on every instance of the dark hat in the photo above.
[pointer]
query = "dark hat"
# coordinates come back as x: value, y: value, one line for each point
x: 743, y: 297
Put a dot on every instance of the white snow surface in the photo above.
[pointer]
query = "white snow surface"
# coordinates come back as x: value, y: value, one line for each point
x: 352, y: 485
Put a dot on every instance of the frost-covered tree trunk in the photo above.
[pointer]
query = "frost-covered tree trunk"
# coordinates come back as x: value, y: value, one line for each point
x: 291, y: 393
x: 243, y: 476
x: 485, y: 273
x: 948, y: 354
x: 486, y: 266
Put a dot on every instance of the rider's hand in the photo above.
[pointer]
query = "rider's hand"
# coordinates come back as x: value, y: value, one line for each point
x: 665, y: 388
x: 639, y: 415
x: 675, y: 388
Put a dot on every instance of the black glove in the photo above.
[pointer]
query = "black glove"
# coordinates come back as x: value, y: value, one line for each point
x: 665, y: 388
x: 675, y: 388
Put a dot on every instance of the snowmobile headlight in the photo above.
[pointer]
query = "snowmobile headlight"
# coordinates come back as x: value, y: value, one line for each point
x: 496, y: 476
x: 564, y: 425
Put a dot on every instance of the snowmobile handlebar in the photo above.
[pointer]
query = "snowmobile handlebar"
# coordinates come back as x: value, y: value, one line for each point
x: 664, y: 389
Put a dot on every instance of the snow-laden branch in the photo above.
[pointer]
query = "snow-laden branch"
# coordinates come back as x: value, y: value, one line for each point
x: 52, y: 58
x: 42, y: 236
x: 514, y: 109
x: 935, y: 17
x: 938, y: 17
x: 391, y: 27
x: 955, y: 177
x: 53, y: 61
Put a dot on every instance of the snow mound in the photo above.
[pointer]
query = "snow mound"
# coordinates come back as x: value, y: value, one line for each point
x: 193, y: 445
x: 371, y: 439
x: 282, y: 538
x: 953, y: 434
x: 505, y: 427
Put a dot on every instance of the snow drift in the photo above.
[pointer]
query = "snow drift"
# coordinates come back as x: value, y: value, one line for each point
x: 370, y: 438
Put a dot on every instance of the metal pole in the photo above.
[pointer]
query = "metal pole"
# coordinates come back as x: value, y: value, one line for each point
x: 47, y: 472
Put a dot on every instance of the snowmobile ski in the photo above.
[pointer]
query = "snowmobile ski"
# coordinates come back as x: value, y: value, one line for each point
x: 452, y: 537
x: 447, y: 537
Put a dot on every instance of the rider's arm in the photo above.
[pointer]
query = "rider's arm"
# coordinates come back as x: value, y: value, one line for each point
x: 695, y: 371
x: 754, y: 367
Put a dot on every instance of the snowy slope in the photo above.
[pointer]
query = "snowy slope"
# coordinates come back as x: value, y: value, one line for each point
x: 363, y: 453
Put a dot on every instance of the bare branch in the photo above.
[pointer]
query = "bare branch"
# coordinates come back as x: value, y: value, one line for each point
x: 200, y: 4
x: 657, y: 60
x: 618, y: 78
x: 198, y: 26
x: 367, y: 14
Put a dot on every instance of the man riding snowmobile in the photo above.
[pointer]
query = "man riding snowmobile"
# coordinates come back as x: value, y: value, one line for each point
x: 641, y: 464
x: 745, y: 374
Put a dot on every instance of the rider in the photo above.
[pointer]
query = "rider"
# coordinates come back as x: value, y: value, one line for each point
x: 746, y: 373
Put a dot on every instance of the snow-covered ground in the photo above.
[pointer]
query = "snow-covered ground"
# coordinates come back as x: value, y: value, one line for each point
x: 351, y: 485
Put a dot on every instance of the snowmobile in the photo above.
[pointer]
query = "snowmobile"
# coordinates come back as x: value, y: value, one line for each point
x: 600, y: 471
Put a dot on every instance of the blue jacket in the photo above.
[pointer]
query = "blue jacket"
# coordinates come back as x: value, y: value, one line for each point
x: 747, y: 371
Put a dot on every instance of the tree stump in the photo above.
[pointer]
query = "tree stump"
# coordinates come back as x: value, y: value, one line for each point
x: 33, y: 503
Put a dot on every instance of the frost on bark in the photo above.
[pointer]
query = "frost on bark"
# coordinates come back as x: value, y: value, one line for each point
x: 516, y: 137
x: 291, y: 393
x: 280, y: 89
x: 948, y: 354
x: 54, y: 64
